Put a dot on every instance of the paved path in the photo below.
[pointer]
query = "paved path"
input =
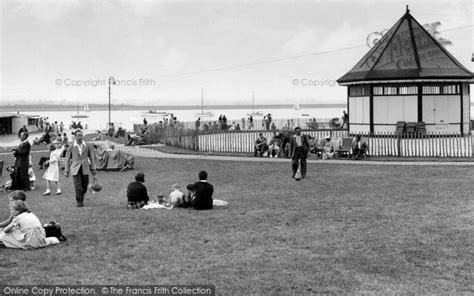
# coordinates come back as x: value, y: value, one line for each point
x: 145, y: 151
x: 140, y: 151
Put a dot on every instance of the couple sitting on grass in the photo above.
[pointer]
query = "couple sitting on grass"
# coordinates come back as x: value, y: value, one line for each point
x: 199, y: 195
x: 23, y: 230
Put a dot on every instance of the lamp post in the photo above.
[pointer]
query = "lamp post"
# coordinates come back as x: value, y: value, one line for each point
x: 111, y: 81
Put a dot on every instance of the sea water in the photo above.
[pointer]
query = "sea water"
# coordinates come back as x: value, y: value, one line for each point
x: 97, y: 120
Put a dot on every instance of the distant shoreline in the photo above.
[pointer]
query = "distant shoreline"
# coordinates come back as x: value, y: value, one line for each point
x: 94, y: 107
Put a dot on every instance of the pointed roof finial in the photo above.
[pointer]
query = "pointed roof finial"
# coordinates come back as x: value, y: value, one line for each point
x: 408, y: 10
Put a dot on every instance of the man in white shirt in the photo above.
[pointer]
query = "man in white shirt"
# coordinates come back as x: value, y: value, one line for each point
x: 299, y: 149
x: 83, y: 163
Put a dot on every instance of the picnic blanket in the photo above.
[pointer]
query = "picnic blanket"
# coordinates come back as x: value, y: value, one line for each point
x: 155, y: 205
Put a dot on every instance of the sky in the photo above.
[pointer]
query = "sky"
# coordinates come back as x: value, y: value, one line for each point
x: 165, y: 52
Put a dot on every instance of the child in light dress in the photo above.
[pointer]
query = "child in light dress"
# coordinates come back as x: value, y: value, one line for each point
x: 52, y: 172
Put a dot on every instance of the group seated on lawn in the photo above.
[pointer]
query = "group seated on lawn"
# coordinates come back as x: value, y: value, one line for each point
x: 324, y: 148
x: 198, y: 196
x: 51, y: 138
x: 272, y: 149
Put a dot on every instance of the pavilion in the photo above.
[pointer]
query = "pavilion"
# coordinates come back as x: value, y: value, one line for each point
x: 408, y: 77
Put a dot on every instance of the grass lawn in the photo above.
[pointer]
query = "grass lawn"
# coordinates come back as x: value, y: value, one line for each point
x: 344, y: 229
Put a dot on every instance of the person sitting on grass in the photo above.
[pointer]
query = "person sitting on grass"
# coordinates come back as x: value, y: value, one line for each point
x: 58, y: 139
x: 15, y: 195
x: 328, y: 150
x: 100, y: 136
x: 137, y: 193
x: 25, y: 231
x: 359, y: 147
x: 274, y: 147
x: 201, y: 193
x: 12, y: 171
x: 176, y: 197
x: 260, y: 145
x: 45, y: 138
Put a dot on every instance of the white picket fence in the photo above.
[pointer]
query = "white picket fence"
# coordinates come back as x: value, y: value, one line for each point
x: 433, y: 145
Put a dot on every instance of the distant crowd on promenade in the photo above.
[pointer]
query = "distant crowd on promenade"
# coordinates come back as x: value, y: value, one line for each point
x: 222, y: 124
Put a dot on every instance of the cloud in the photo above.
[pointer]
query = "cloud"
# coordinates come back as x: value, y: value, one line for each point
x: 141, y: 8
x: 309, y: 39
x: 47, y: 12
x: 304, y: 41
x: 174, y: 61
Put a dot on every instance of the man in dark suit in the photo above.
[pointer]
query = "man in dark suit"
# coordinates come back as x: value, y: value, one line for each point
x: 80, y: 162
x: 299, y: 149
x: 22, y: 130
x: 203, y: 193
x: 22, y: 161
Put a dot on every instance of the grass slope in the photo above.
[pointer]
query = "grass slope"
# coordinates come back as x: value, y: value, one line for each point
x: 344, y: 229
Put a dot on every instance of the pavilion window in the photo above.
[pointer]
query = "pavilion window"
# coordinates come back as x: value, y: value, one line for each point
x: 390, y: 90
x: 451, y: 89
x: 378, y: 90
x: 408, y: 90
x: 355, y: 91
x: 359, y: 91
x: 431, y: 90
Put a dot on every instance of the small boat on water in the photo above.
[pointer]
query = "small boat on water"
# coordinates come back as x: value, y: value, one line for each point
x: 155, y: 113
x: 203, y: 113
x: 79, y: 115
x: 254, y: 113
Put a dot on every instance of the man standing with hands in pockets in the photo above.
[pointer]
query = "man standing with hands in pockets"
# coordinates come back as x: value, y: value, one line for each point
x: 82, y: 157
x: 299, y: 149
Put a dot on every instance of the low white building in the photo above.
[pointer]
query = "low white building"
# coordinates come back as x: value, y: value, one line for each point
x: 11, y: 123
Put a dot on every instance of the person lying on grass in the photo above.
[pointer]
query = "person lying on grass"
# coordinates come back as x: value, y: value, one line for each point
x: 25, y: 231
x: 15, y: 195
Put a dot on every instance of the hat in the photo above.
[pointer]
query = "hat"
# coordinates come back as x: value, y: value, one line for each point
x: 327, y: 138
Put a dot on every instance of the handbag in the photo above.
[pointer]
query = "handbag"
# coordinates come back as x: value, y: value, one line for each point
x: 53, y: 229
x: 96, y: 186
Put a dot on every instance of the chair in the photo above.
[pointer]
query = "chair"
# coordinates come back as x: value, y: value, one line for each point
x: 410, y: 127
x: 334, y: 123
x: 400, y: 130
x: 2, y: 186
x: 421, y: 128
x: 317, y: 147
x: 346, y: 147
